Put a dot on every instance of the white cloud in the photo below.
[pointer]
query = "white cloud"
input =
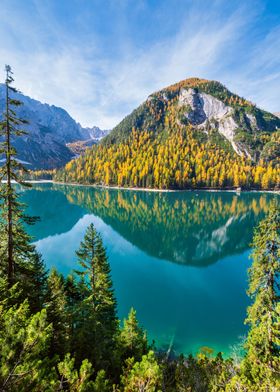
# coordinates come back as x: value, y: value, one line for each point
x: 96, y: 89
x: 259, y: 78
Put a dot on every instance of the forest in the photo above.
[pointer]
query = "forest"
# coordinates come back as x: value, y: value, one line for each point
x: 178, y: 161
x: 63, y: 333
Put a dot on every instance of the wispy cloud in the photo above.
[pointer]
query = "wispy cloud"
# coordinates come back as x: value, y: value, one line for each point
x: 259, y: 79
x: 100, y: 76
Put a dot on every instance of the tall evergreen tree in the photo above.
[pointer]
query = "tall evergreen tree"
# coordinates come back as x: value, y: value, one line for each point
x: 98, y: 324
x: 15, y: 245
x: 74, y: 298
x: 35, y: 282
x: 261, y: 366
x: 133, y: 340
x: 56, y: 302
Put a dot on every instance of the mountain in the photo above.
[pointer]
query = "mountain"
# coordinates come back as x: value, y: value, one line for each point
x: 195, y: 133
x: 277, y: 114
x: 80, y: 146
x: 207, y: 106
x: 96, y: 133
x: 50, y: 129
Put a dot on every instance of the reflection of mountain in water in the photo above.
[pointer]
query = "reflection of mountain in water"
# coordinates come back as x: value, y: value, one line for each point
x: 56, y: 214
x: 183, y: 227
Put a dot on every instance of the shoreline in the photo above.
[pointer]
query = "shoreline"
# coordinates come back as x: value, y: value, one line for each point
x: 235, y: 190
x: 29, y: 181
x: 277, y: 192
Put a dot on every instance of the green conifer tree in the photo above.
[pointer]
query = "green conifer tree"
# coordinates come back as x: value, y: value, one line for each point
x: 145, y: 375
x: 73, y: 307
x: 24, y: 341
x: 35, y: 282
x: 260, y: 368
x: 133, y: 340
x: 14, y: 241
x: 74, y: 380
x: 56, y: 302
x: 97, y: 325
x: 19, y: 260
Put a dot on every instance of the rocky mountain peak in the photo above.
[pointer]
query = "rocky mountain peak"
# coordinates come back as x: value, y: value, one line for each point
x: 50, y: 131
x: 209, y: 108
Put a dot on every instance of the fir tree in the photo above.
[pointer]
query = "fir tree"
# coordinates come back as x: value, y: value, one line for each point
x: 73, y: 307
x: 98, y: 324
x: 133, y: 339
x: 35, y: 282
x: 16, y: 250
x: 56, y: 311
x: 261, y: 365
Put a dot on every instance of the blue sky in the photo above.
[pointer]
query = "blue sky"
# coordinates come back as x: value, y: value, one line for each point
x: 99, y: 59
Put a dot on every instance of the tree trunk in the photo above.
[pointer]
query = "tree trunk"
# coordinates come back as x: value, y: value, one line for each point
x: 9, y: 193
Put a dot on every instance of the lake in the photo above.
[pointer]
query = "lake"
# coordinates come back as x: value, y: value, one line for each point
x: 179, y: 258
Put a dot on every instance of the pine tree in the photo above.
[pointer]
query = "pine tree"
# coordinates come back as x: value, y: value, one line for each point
x: 15, y: 247
x: 145, y: 375
x: 73, y: 380
x: 24, y: 341
x: 73, y: 306
x: 34, y: 286
x: 133, y: 339
x: 56, y: 311
x: 262, y: 362
x: 98, y: 322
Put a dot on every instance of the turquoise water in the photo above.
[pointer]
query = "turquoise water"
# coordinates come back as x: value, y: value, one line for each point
x: 179, y: 258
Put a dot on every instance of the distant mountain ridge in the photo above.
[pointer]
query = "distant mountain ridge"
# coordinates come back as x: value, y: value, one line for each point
x: 50, y: 129
x: 96, y: 133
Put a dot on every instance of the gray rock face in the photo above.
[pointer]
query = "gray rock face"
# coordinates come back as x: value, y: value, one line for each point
x: 50, y: 128
x: 96, y: 133
x: 204, y: 110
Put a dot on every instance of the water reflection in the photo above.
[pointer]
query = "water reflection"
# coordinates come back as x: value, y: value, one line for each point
x: 175, y: 301
x: 183, y: 227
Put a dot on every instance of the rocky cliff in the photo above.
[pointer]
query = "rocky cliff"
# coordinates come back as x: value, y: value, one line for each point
x: 206, y: 112
x: 50, y: 129
x: 209, y: 108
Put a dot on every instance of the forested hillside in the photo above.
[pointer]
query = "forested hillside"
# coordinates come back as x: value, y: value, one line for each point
x: 192, y: 134
x: 179, y: 160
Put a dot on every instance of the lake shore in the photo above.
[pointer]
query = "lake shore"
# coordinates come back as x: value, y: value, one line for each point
x: 235, y: 190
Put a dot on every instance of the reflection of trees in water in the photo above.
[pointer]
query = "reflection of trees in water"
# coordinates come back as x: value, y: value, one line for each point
x: 188, y: 228
x: 56, y: 214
